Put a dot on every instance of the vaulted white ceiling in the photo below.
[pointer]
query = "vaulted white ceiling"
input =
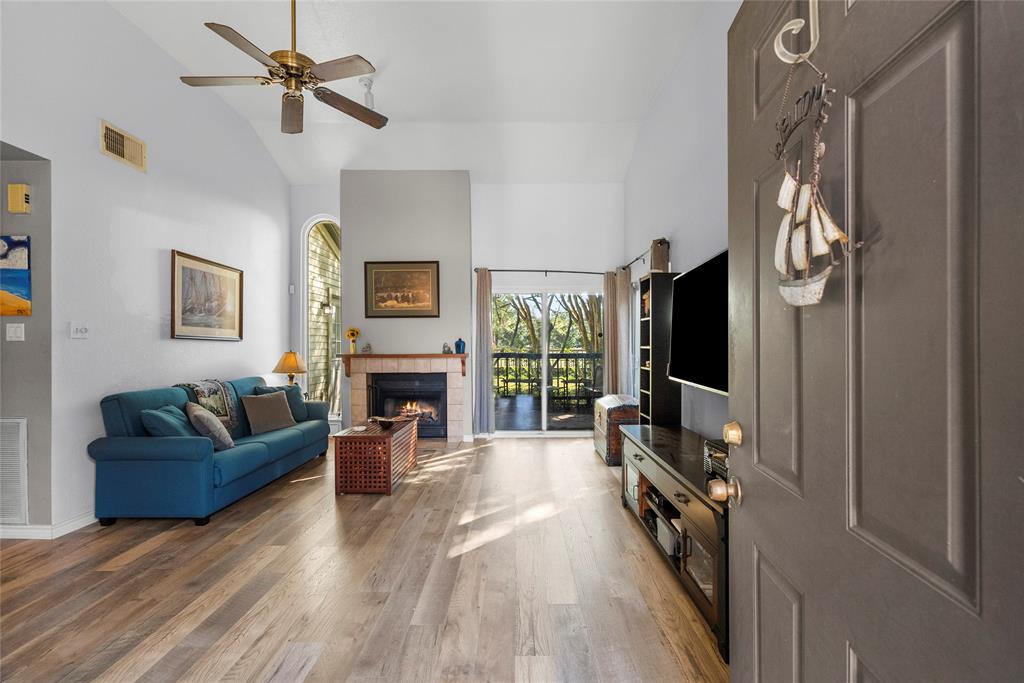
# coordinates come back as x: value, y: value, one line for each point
x: 512, y: 91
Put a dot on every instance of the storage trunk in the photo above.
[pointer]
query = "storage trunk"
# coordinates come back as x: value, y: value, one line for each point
x: 609, y: 412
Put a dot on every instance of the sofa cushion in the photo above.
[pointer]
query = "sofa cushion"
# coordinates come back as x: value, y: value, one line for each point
x: 235, y: 463
x: 280, y: 442
x: 246, y: 386
x: 296, y: 403
x: 268, y: 412
x: 313, y: 431
x: 121, y: 412
x: 209, y: 425
x: 167, y: 421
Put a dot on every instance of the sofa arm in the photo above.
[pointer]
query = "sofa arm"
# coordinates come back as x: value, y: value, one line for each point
x: 185, y: 448
x: 317, y: 410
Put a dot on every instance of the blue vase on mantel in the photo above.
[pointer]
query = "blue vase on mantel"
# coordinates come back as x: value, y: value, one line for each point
x: 460, y: 346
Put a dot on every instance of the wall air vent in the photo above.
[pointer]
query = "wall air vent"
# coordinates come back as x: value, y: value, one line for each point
x: 13, y: 470
x: 126, y: 148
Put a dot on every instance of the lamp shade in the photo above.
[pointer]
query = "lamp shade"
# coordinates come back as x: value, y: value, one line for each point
x: 291, y: 363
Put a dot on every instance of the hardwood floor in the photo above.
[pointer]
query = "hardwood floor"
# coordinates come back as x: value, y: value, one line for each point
x: 508, y: 560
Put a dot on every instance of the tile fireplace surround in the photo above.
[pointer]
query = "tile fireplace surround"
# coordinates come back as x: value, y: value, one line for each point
x: 359, y: 366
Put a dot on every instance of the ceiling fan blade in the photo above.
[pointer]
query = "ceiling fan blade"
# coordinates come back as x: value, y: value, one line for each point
x: 345, y: 67
x: 291, y: 113
x: 350, y: 107
x: 225, y: 80
x: 241, y: 42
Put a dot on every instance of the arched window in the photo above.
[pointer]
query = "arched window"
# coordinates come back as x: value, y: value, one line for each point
x: 323, y: 313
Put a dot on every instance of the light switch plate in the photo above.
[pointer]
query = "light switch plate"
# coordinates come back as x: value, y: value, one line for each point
x: 15, y: 332
x: 79, y: 330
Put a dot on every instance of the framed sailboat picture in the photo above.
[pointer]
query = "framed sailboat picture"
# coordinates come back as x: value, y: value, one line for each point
x: 206, y: 299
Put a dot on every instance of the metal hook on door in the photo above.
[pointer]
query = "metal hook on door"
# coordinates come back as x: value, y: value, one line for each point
x: 794, y: 26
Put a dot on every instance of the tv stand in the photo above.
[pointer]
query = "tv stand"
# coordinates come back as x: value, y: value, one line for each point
x: 664, y: 485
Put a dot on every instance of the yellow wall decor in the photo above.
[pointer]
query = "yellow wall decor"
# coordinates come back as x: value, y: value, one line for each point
x: 19, y: 198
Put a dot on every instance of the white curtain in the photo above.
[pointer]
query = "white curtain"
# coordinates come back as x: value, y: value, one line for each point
x: 483, y: 367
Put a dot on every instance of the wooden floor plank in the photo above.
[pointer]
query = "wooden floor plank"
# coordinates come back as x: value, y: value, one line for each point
x: 503, y: 560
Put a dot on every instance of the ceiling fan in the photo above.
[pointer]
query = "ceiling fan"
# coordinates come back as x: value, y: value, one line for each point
x: 296, y: 71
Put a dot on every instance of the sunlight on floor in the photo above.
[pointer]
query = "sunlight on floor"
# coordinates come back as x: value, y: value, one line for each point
x: 315, y: 476
x: 478, y: 539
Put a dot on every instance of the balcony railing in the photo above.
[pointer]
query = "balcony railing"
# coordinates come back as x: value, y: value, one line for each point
x: 574, y: 379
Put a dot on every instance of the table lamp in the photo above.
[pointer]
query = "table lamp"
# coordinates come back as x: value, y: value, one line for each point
x: 291, y: 364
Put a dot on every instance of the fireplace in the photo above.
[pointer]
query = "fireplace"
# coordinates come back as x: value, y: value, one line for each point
x: 421, y: 395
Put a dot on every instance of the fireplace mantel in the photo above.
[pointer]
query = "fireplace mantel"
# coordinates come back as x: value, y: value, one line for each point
x: 347, y: 358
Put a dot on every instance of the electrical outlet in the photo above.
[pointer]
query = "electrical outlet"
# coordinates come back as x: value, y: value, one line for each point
x: 79, y: 330
x: 15, y: 332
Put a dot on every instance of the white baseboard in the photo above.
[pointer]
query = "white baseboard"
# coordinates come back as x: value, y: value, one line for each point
x: 33, y: 531
x: 46, y: 532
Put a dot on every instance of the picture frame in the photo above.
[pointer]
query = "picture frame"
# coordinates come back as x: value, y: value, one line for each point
x: 15, y: 275
x: 402, y: 289
x: 206, y: 299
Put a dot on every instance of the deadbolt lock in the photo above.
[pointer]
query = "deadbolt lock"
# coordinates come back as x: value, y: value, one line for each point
x: 732, y: 433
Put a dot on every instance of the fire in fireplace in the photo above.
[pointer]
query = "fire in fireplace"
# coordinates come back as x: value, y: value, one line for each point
x: 427, y: 410
x: 424, y: 410
x: 424, y: 396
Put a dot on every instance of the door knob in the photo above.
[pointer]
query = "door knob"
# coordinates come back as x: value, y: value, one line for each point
x: 732, y: 433
x: 726, y: 490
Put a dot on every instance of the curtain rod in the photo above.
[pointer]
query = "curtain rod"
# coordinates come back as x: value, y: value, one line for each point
x: 645, y: 252
x: 539, y: 270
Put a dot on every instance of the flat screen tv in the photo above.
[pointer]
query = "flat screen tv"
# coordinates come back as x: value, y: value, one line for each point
x: 699, y: 355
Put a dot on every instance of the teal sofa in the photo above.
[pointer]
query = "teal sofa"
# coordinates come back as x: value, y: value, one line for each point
x: 138, y: 475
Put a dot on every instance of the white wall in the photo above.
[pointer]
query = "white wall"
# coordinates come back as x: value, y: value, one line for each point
x: 677, y: 183
x: 211, y: 190
x: 563, y: 226
x: 408, y: 216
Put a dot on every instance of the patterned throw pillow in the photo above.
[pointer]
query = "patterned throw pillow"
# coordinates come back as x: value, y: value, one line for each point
x: 210, y: 426
x: 296, y: 403
x: 268, y: 412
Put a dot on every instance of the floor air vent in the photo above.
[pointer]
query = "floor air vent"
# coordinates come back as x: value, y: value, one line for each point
x: 13, y: 470
x: 118, y: 144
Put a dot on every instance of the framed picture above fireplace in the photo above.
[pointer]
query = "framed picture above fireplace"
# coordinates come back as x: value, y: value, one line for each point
x: 402, y: 289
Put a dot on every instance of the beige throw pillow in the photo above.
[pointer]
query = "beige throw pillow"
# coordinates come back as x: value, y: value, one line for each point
x: 268, y: 412
x: 210, y: 426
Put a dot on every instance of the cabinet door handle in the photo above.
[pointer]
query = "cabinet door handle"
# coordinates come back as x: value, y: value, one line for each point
x: 682, y: 497
x: 687, y: 546
x: 638, y: 457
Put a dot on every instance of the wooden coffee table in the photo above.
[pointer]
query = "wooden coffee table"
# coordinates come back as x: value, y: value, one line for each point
x: 374, y: 460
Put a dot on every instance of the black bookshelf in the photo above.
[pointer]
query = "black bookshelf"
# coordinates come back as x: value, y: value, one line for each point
x: 660, y: 397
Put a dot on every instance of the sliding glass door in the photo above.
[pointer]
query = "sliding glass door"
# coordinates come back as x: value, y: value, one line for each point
x: 547, y: 351
x: 517, y: 323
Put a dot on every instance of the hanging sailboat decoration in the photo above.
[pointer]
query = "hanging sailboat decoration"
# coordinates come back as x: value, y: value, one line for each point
x: 809, y: 242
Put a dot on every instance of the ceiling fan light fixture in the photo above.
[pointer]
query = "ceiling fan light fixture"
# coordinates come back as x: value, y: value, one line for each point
x: 295, y: 72
x: 291, y: 112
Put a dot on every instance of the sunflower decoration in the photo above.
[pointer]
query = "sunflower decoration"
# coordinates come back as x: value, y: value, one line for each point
x: 352, y: 334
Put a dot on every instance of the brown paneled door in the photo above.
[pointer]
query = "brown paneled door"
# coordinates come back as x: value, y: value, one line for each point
x: 881, y: 532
